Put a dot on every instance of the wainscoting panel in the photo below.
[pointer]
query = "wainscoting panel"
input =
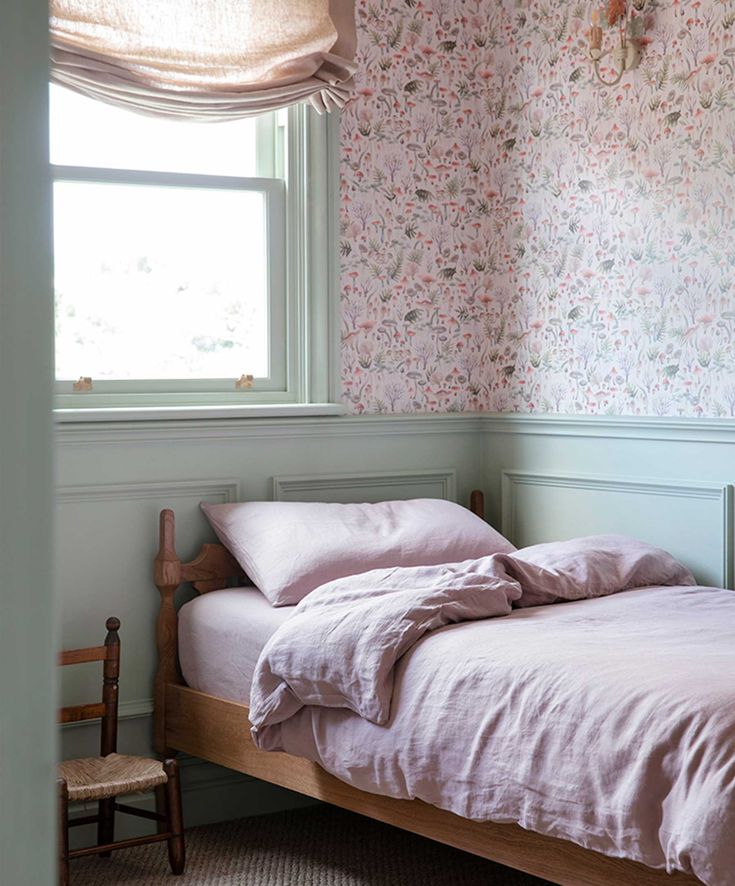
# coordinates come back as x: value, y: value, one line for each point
x: 563, y: 476
x: 367, y: 486
x: 105, y: 545
x: 115, y: 477
x: 692, y: 521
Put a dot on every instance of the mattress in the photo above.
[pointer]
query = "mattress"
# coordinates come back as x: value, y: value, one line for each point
x: 221, y: 635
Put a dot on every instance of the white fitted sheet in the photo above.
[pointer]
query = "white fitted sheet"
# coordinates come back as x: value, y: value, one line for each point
x: 221, y: 635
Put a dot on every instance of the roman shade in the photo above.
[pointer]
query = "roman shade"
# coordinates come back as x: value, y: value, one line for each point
x: 205, y: 59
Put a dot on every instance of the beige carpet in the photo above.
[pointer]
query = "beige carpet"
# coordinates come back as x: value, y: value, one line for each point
x: 317, y: 846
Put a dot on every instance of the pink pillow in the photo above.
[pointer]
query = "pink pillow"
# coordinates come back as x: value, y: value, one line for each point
x: 592, y: 566
x: 289, y: 548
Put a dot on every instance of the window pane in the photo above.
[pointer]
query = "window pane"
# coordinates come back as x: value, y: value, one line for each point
x: 85, y: 132
x: 159, y: 282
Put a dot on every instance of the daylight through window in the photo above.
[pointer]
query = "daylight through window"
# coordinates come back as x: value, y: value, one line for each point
x: 170, y: 242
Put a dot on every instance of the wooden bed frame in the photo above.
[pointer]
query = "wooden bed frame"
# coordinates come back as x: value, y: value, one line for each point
x: 218, y: 730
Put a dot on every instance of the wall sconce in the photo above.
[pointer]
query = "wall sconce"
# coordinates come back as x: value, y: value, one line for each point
x: 630, y: 29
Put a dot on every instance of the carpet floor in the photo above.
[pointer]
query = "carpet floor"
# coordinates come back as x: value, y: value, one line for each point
x: 317, y: 846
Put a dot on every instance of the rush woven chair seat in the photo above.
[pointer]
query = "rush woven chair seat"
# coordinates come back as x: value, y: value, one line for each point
x: 97, y: 778
x: 111, y: 775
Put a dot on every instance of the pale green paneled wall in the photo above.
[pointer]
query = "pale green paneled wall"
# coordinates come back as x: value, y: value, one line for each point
x: 545, y: 478
x: 112, y: 482
x: 667, y: 481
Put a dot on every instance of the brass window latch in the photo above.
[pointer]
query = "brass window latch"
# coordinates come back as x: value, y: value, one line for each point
x: 83, y: 385
x: 244, y: 383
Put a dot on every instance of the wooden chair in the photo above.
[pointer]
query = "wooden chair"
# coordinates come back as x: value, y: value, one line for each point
x: 111, y: 775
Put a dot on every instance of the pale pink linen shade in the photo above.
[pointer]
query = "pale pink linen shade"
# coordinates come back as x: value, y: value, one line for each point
x: 205, y: 59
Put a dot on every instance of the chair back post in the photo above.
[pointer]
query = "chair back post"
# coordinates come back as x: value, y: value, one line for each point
x: 105, y: 778
x: 110, y: 681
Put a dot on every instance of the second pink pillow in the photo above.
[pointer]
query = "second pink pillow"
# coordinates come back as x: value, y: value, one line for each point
x: 289, y: 548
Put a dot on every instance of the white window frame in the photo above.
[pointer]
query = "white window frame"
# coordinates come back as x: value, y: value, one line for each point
x: 303, y: 324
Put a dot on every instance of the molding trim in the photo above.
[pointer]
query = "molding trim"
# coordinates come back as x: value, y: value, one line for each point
x: 705, y: 430
x: 286, y: 486
x: 203, y: 775
x: 716, y: 492
x: 136, y: 709
x: 207, y: 430
x: 229, y: 490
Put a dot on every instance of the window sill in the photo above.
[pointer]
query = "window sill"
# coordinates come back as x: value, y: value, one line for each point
x: 179, y: 413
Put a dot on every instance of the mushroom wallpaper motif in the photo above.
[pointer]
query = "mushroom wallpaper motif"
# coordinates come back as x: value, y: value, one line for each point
x: 516, y: 237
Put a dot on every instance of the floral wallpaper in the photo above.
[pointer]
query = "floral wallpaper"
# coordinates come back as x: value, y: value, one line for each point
x: 417, y: 224
x: 517, y: 237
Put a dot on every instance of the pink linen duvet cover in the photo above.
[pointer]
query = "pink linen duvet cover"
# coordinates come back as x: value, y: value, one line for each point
x: 607, y: 721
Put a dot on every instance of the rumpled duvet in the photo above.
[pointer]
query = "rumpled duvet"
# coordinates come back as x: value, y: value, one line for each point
x: 608, y: 720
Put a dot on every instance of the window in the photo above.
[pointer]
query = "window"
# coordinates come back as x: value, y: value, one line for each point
x: 185, y: 257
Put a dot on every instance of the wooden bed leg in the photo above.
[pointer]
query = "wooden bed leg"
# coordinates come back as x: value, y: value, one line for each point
x: 167, y: 577
x: 477, y: 503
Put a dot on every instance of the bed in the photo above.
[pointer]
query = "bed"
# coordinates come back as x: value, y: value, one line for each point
x: 214, y: 724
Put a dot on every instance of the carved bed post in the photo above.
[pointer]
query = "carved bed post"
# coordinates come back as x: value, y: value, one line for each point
x: 167, y: 577
x: 477, y: 503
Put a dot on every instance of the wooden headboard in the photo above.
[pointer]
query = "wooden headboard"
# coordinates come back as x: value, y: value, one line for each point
x: 213, y: 568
